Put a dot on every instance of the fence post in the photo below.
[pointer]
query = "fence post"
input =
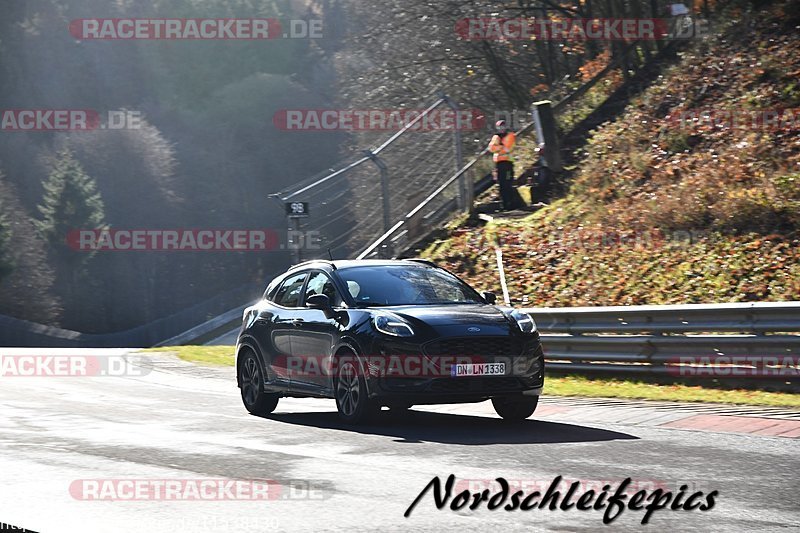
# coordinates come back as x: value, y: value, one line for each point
x: 547, y: 134
x: 297, y: 245
x: 384, y: 170
x: 465, y: 187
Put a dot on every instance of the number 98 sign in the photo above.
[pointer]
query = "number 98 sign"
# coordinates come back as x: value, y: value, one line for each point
x: 297, y: 209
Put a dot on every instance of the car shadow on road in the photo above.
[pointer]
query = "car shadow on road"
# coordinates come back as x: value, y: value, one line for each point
x: 425, y: 426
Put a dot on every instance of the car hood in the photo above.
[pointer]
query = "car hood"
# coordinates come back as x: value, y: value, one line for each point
x: 454, y: 315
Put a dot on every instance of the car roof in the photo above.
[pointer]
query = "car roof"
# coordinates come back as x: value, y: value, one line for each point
x: 353, y: 263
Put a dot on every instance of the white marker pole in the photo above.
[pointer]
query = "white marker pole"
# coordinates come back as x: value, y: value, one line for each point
x: 499, y: 253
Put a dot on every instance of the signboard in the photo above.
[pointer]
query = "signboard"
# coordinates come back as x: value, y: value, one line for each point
x: 297, y: 209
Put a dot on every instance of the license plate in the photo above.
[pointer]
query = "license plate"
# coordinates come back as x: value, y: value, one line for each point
x: 478, y: 369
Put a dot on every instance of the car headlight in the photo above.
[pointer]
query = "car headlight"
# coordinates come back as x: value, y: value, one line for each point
x: 524, y: 321
x: 391, y: 324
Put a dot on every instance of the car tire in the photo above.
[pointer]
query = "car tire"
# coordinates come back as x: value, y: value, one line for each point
x: 255, y: 400
x: 515, y: 408
x: 350, y: 391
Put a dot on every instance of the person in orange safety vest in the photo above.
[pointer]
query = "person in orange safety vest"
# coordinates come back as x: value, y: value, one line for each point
x: 502, y: 146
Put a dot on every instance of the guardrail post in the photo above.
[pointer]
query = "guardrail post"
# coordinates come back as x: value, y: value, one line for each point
x: 465, y: 189
x: 547, y: 134
x: 384, y: 170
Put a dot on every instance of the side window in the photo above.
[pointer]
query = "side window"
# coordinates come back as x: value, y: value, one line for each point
x: 320, y: 283
x: 289, y: 293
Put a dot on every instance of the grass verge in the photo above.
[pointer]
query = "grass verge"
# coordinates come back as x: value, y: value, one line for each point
x: 617, y: 388
x: 563, y: 385
x: 204, y: 355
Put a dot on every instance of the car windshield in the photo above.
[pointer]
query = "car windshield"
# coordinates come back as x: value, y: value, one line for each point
x: 406, y: 285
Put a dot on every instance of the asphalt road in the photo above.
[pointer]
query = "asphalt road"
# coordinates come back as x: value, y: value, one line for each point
x: 166, y: 420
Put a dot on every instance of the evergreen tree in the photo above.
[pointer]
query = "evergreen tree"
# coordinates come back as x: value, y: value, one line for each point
x: 71, y: 202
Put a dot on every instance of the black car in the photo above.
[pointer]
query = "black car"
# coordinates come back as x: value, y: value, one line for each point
x: 395, y: 333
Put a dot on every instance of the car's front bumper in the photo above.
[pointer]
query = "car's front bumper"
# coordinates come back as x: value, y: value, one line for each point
x: 524, y: 376
x: 457, y: 391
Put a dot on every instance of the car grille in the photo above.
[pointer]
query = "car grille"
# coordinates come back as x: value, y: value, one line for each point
x: 474, y: 346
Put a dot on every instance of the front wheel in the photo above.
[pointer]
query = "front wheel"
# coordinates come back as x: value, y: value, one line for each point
x: 255, y: 400
x: 351, y: 394
x: 515, y: 408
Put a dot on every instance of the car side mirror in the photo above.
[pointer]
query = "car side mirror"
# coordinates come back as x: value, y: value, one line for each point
x: 321, y: 302
x: 490, y: 297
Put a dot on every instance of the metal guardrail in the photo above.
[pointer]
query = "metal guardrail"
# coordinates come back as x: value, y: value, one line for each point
x: 17, y: 332
x: 210, y: 329
x: 753, y: 341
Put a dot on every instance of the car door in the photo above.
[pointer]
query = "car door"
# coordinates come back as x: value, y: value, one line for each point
x: 314, y: 338
x: 284, y: 321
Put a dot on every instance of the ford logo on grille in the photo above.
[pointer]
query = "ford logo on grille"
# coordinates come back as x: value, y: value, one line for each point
x: 473, y: 330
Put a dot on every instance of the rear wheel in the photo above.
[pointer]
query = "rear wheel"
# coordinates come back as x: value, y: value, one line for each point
x: 255, y: 400
x: 515, y: 408
x: 351, y: 393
